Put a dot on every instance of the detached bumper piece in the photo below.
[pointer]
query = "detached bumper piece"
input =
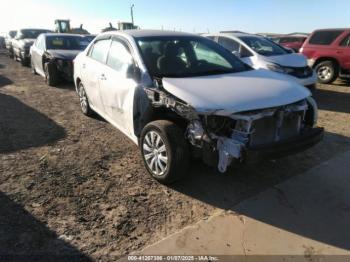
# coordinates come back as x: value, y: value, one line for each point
x: 287, y: 147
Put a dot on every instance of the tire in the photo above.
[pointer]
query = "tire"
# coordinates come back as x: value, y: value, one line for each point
x: 167, y: 157
x: 327, y: 72
x: 51, y: 74
x: 24, y: 61
x: 84, y: 101
x: 32, y: 67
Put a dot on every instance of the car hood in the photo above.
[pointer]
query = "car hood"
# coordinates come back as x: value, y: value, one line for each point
x: 27, y: 41
x: 290, y: 60
x: 64, y: 54
x: 237, y: 92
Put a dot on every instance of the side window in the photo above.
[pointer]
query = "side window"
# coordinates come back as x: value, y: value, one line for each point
x: 208, y: 55
x: 99, y: 50
x: 119, y: 57
x: 346, y: 41
x: 245, y: 52
x: 229, y: 44
x: 324, y: 37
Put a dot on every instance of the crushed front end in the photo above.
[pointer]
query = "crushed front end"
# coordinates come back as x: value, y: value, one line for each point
x: 222, y: 138
x: 257, y: 134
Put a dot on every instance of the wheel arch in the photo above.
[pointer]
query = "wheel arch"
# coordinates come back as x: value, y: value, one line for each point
x: 326, y: 58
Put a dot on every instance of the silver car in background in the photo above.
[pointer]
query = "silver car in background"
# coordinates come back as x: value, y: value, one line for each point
x: 262, y: 53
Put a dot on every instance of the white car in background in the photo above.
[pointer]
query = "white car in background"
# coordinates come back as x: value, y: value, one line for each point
x: 176, y: 94
x: 260, y: 52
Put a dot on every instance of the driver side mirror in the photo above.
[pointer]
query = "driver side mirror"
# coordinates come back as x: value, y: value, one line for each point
x: 133, y: 72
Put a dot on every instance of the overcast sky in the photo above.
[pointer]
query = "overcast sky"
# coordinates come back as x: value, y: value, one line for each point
x: 280, y: 16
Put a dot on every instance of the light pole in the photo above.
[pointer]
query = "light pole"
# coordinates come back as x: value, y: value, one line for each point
x: 132, y: 13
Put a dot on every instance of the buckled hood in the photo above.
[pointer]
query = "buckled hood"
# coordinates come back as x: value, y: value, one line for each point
x: 237, y: 92
x: 64, y: 54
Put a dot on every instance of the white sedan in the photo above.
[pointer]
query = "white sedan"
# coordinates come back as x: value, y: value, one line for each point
x: 177, y: 94
x: 260, y: 52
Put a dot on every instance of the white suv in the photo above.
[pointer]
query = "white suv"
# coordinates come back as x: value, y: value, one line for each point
x: 179, y: 95
x: 260, y: 52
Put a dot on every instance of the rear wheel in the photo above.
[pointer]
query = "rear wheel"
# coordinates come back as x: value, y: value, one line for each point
x: 165, y: 151
x: 327, y: 72
x: 32, y: 67
x: 84, y: 101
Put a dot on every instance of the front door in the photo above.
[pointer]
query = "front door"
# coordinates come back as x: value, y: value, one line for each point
x: 116, y: 89
x: 92, y: 69
x: 343, y: 52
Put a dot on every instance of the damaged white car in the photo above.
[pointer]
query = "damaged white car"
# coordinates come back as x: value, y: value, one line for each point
x: 179, y: 95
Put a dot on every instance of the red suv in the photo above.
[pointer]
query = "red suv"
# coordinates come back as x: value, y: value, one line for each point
x: 294, y: 42
x: 328, y: 52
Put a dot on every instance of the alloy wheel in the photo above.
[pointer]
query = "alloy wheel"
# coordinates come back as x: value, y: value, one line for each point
x: 155, y: 153
x: 83, y: 99
x: 324, y: 73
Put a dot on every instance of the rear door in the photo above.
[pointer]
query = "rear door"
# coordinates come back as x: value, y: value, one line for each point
x: 91, y: 69
x: 116, y: 88
x: 343, y: 52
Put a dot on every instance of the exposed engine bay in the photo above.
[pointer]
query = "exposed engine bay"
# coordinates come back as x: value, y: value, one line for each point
x: 228, y: 137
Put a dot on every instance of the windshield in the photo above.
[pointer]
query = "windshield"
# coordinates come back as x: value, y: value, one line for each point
x: 184, y: 56
x: 66, y: 42
x: 31, y: 33
x: 263, y: 46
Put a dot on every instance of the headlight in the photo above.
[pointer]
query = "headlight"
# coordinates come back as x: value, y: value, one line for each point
x: 276, y: 68
x: 312, y: 102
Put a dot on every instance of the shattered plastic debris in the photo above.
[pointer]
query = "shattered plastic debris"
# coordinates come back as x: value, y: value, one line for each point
x: 228, y: 149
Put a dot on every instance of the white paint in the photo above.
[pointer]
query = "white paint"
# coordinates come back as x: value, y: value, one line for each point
x: 258, y: 61
x: 237, y: 92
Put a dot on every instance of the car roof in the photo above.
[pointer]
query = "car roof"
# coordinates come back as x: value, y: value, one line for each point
x: 235, y: 34
x: 39, y: 29
x: 333, y: 29
x: 148, y: 33
x: 60, y: 34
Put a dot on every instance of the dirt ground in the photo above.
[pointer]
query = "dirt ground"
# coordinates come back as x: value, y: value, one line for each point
x: 75, y: 186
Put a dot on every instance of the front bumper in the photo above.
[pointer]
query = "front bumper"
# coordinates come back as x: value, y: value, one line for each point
x: 65, y: 68
x: 284, y: 148
x: 309, y: 81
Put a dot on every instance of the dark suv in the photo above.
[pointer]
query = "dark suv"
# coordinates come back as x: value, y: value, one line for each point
x: 328, y: 51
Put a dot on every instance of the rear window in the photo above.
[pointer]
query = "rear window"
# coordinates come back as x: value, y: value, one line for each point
x: 324, y: 37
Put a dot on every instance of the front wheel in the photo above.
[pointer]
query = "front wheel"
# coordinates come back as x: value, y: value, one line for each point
x: 327, y: 72
x: 165, y: 151
x: 51, y: 74
x: 24, y: 61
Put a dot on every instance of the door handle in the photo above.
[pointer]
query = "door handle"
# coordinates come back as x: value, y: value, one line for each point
x: 103, y: 77
x: 339, y: 52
